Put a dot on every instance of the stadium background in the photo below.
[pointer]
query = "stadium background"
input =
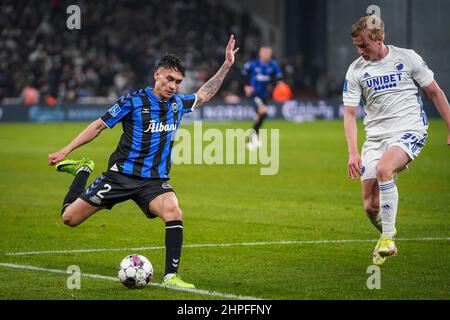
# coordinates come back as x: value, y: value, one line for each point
x: 300, y: 234
x: 43, y: 63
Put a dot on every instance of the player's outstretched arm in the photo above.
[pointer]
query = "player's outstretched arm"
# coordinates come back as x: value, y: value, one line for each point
x: 435, y: 93
x: 354, y: 159
x: 87, y: 135
x: 210, y: 88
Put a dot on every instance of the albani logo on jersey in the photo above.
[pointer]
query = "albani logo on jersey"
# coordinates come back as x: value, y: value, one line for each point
x: 160, y: 127
x: 384, y: 82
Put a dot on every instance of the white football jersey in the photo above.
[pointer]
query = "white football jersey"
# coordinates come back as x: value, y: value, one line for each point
x: 390, y: 92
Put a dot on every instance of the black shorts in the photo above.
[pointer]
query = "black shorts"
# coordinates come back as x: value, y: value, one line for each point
x: 258, y: 102
x: 113, y: 187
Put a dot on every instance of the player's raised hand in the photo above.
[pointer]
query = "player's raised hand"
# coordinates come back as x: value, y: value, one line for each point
x: 354, y: 166
x: 230, y: 51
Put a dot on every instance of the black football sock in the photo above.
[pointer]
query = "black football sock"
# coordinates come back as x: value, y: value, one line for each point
x: 174, y: 242
x: 259, y: 123
x: 76, y: 188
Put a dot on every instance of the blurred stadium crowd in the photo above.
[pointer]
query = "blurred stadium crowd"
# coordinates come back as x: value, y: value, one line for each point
x: 118, y: 45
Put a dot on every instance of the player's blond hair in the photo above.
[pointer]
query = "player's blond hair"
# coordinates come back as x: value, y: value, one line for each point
x: 373, y: 23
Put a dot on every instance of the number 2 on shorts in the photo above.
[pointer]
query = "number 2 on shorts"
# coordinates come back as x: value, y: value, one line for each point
x: 107, y: 189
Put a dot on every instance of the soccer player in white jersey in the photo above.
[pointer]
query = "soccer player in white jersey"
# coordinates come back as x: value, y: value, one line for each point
x: 389, y: 81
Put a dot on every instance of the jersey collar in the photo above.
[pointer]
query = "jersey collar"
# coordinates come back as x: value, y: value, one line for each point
x: 152, y: 96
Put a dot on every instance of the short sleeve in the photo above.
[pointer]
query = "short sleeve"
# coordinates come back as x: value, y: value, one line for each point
x: 420, y: 71
x: 351, y: 91
x: 117, y: 112
x: 189, y: 102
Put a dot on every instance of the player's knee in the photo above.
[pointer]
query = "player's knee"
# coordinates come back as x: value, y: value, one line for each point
x: 384, y: 172
x: 262, y: 111
x: 69, y: 220
x: 172, y: 213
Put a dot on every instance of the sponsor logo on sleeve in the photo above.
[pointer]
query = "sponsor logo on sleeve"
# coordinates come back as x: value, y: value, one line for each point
x: 114, y: 110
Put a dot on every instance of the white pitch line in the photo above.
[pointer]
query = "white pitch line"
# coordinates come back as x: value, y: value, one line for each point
x: 98, y: 276
x: 221, y: 245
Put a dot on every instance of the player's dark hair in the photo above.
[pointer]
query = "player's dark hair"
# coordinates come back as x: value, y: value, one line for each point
x: 171, y: 61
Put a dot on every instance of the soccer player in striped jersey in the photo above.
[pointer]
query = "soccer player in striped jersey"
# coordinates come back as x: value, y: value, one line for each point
x: 258, y: 74
x: 139, y: 167
x: 389, y: 81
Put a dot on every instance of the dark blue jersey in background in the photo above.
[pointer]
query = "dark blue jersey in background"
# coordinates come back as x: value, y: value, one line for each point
x: 259, y: 75
x: 149, y: 128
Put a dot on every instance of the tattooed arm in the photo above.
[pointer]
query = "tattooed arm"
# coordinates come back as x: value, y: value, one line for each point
x: 210, y: 88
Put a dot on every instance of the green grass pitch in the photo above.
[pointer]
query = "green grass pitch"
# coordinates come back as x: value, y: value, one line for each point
x: 310, y: 202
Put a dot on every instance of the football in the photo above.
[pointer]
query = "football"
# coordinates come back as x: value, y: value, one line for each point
x: 135, y: 271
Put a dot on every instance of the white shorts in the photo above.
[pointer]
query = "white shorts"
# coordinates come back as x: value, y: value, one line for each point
x: 411, y: 142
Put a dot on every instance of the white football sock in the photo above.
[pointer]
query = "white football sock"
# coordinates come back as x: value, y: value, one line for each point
x: 388, y: 207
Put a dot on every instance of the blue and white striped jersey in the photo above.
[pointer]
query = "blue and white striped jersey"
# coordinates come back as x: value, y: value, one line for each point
x: 260, y: 74
x: 149, y: 127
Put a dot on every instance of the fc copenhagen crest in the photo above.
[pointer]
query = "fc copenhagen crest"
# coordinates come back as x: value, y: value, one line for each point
x: 399, y: 66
